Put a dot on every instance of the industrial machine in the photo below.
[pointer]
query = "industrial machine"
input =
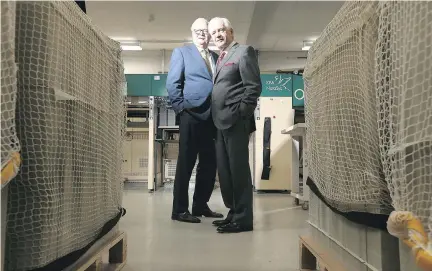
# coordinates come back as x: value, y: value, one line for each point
x: 275, y: 153
x: 164, y: 142
x: 135, y: 145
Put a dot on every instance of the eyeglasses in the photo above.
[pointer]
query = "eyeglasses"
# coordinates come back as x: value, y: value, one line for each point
x: 200, y: 31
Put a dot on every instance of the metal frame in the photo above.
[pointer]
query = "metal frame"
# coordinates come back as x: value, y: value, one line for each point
x: 151, y: 185
x: 298, y: 134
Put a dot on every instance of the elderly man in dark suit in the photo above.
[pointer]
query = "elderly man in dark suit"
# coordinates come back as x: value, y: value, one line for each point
x: 189, y: 85
x: 237, y: 86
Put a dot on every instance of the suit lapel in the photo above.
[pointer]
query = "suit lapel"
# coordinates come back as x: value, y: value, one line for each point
x: 230, y: 53
x: 214, y: 58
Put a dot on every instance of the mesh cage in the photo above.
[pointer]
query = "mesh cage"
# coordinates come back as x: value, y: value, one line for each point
x: 404, y: 93
x: 341, y: 114
x: 70, y: 121
x: 9, y: 141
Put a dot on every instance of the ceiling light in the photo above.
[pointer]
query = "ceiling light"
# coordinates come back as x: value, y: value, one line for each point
x: 130, y: 46
x: 142, y: 102
x: 307, y: 44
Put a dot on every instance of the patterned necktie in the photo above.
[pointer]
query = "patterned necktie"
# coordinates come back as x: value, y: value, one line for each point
x: 205, y: 56
x: 220, y: 58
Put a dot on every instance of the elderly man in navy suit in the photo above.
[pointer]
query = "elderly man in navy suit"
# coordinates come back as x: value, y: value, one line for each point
x: 189, y: 85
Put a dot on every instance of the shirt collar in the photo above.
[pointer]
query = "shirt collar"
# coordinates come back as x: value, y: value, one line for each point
x: 229, y: 47
x: 200, y: 49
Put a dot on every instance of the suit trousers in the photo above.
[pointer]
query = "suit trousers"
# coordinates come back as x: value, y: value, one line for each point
x: 196, y: 140
x: 232, y: 154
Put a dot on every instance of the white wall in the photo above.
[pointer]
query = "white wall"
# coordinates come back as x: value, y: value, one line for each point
x: 270, y: 62
x: 145, y: 62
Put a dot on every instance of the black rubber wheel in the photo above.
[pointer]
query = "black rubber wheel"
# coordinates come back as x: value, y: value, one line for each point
x: 305, y: 205
x: 296, y: 201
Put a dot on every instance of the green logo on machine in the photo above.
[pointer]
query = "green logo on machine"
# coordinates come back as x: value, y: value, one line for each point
x: 276, y: 85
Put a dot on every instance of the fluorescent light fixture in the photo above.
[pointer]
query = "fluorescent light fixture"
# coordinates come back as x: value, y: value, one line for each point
x: 307, y: 45
x: 130, y: 46
x: 142, y: 102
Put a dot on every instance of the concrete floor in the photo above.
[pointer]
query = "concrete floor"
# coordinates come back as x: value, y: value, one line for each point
x: 156, y: 243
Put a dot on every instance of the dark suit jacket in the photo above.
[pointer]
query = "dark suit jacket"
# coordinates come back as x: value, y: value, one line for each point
x: 237, y: 87
x: 189, y: 82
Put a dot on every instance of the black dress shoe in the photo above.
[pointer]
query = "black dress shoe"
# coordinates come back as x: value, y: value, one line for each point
x: 185, y: 217
x: 207, y: 213
x: 221, y: 222
x: 234, y: 228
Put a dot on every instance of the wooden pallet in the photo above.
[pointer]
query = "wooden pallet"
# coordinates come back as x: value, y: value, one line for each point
x: 312, y: 256
x: 116, y: 248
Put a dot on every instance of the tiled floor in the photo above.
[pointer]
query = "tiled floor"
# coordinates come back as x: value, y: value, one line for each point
x: 156, y: 243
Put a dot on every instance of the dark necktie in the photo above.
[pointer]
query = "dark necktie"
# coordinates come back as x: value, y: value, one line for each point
x: 205, y: 56
x: 220, y: 58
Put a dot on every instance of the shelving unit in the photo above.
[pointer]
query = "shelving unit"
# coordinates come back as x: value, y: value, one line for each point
x: 163, y: 143
x: 170, y: 136
x: 299, y: 191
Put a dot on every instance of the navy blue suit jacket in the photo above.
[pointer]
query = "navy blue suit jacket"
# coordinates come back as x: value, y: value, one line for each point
x: 189, y: 82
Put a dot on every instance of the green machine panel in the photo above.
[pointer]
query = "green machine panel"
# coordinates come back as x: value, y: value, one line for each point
x: 298, y: 91
x: 158, y: 84
x: 276, y: 85
x: 273, y: 85
x: 138, y: 84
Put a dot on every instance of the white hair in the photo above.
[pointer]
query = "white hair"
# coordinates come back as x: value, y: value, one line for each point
x: 226, y: 23
x: 197, y: 21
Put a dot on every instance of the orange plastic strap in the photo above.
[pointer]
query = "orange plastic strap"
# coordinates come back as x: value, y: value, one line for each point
x: 422, y: 258
x: 11, y: 169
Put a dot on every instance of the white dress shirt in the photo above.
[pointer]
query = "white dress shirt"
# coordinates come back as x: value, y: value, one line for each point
x: 226, y: 50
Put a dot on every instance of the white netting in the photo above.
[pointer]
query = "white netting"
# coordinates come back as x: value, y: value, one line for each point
x: 70, y: 120
x: 404, y: 93
x: 341, y: 115
x: 9, y: 140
